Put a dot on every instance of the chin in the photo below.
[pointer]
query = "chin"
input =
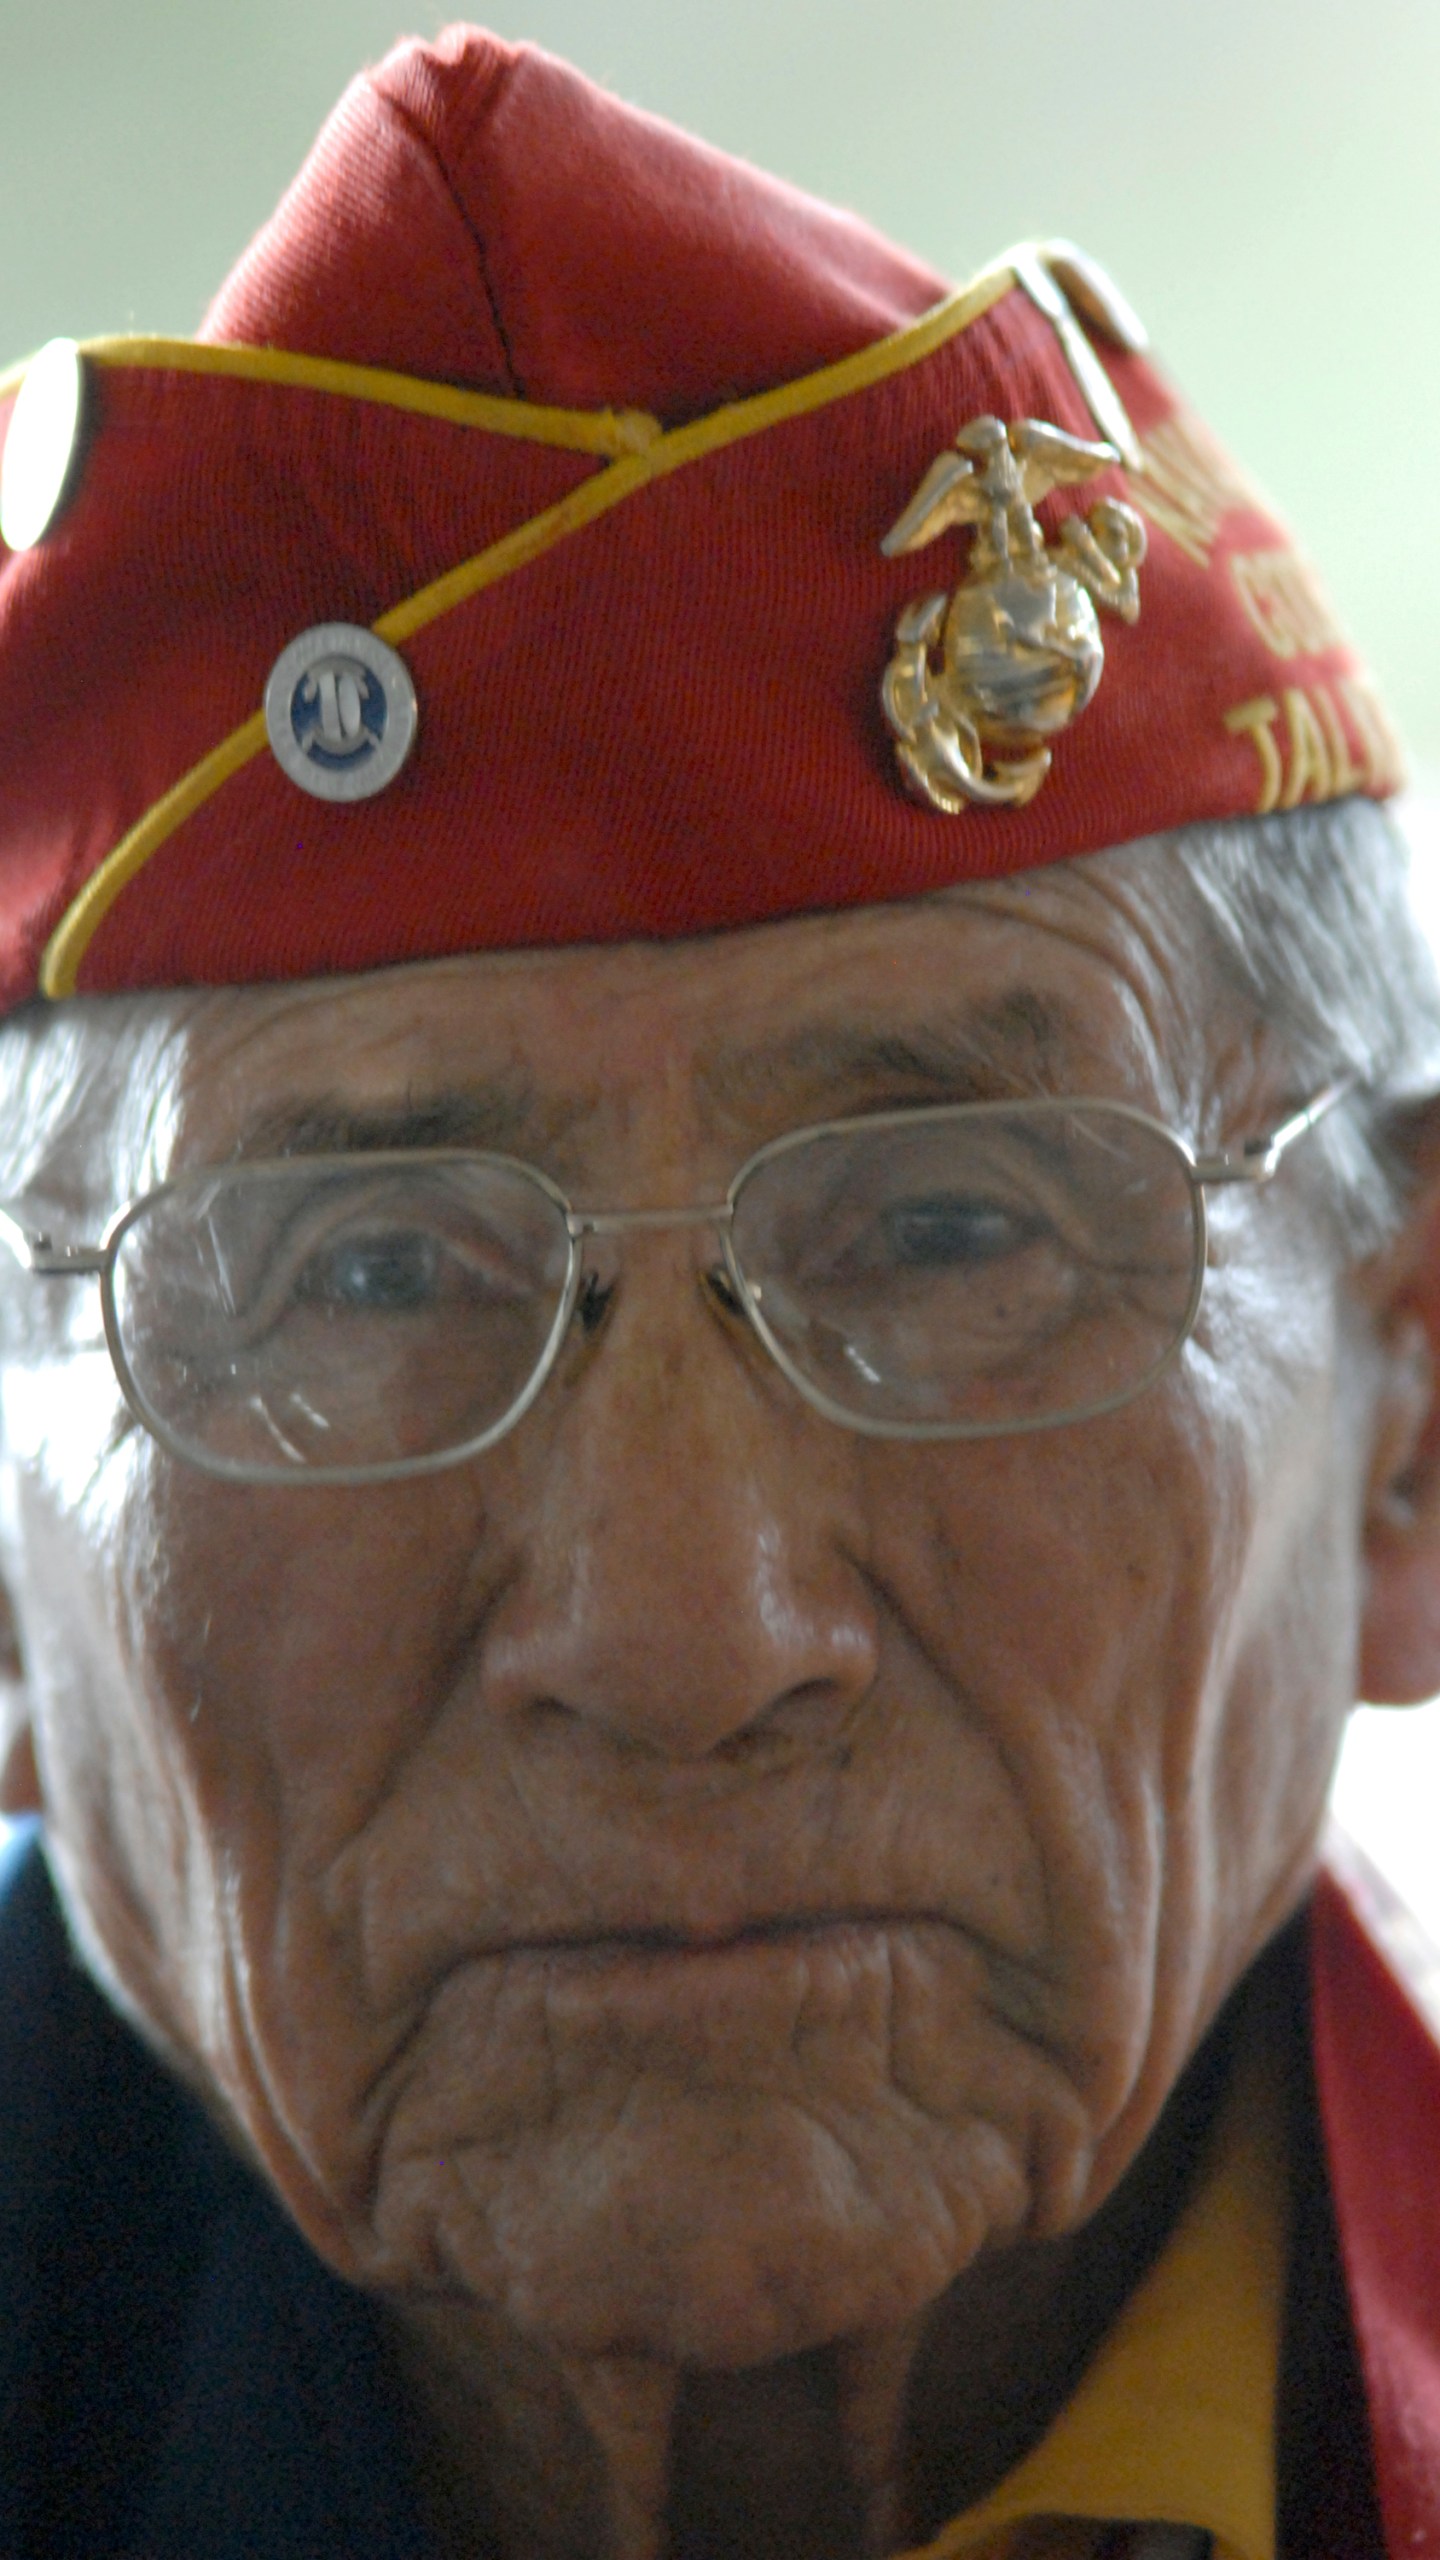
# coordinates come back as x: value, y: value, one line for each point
x: 718, y: 2231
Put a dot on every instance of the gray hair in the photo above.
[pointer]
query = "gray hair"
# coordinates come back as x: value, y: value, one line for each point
x: 1307, y: 923
x: 1312, y: 925
x: 80, y: 1085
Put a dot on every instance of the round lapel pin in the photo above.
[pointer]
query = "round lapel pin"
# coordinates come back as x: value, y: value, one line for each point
x: 341, y: 712
x: 39, y: 466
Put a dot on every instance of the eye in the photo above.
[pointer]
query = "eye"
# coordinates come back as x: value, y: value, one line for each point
x: 390, y: 1273
x: 951, y: 1229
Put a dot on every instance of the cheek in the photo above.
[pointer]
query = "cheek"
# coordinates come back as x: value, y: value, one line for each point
x: 1090, y: 1592
x: 1077, y: 1583
x: 228, y: 1681
x: 1251, y: 1805
x: 114, y: 1770
x: 300, y: 1636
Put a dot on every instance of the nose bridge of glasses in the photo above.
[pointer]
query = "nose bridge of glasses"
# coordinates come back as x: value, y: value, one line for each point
x: 618, y: 1222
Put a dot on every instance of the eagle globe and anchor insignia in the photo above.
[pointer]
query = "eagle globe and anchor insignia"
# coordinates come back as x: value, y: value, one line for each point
x: 983, y: 677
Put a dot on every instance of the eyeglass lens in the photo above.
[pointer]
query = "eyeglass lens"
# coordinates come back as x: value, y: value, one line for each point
x: 363, y: 1314
x: 1006, y: 1266
x: 968, y: 1271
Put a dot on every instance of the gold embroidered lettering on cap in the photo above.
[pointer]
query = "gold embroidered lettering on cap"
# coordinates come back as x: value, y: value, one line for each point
x: 1335, y: 739
x: 983, y: 677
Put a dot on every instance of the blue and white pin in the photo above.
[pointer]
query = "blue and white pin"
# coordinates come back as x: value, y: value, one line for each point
x: 341, y: 712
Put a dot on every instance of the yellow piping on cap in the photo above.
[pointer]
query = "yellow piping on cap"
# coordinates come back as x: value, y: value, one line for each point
x: 609, y: 432
x: 733, y: 424
x: 632, y: 470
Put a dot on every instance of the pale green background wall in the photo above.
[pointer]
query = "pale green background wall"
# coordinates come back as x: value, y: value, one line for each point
x: 1262, y: 175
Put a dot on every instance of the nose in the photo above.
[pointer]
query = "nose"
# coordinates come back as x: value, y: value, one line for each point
x: 690, y: 1577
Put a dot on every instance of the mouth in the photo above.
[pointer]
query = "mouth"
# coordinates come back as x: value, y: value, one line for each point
x: 693, y: 1945
x: 708, y: 1998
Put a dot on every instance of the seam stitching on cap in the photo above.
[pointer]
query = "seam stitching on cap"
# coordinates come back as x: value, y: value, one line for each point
x: 426, y: 143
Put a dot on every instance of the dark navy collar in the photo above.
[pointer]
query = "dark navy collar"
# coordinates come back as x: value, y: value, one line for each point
x: 180, y: 2377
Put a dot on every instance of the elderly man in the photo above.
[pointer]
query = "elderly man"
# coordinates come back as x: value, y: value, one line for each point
x: 717, y: 1375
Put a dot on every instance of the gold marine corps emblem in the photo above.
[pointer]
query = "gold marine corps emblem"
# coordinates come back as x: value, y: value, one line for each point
x: 983, y: 678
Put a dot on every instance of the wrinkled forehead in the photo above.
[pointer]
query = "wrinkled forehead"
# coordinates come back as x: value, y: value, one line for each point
x: 1080, y: 979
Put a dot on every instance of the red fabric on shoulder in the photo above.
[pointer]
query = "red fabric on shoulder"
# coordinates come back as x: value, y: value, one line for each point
x: 1378, y: 2069
x: 482, y: 214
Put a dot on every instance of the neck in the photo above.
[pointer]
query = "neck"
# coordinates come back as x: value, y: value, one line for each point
x: 536, y: 2459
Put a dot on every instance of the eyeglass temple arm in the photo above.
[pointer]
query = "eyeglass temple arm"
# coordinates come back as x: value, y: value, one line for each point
x: 1259, y: 1159
x: 51, y: 1261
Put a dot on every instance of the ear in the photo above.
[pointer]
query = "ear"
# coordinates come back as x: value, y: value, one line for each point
x: 1400, y: 1619
x: 19, y: 1776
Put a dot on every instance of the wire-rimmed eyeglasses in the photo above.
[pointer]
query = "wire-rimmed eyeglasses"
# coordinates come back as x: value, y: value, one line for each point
x: 947, y: 1273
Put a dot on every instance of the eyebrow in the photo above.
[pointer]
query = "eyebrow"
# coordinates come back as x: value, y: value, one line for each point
x: 1019, y: 1043
x: 492, y: 1117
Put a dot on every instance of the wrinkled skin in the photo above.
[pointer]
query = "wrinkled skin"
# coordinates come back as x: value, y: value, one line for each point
x: 682, y: 1888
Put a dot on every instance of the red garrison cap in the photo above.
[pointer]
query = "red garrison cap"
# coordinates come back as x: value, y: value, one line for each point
x: 602, y: 434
